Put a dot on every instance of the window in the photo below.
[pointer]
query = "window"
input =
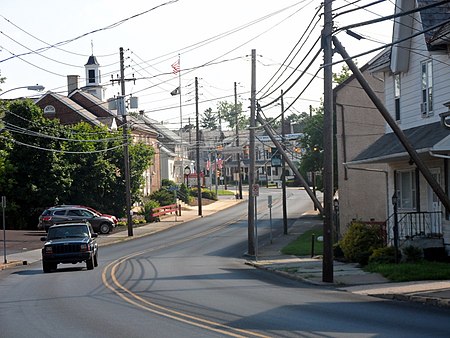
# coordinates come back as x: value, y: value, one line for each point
x: 91, y: 76
x: 426, y: 107
x: 406, y: 189
x: 49, y: 109
x: 397, y: 96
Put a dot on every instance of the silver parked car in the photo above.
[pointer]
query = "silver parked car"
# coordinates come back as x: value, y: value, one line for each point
x: 70, y: 214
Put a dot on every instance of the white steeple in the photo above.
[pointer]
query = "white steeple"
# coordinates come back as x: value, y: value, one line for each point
x: 93, y: 78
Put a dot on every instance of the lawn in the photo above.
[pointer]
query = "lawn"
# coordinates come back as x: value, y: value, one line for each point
x: 302, y: 245
x: 406, y: 272
x: 223, y: 192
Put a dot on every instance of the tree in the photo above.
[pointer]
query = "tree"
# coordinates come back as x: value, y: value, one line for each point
x: 312, y: 142
x: 2, y: 113
x: 343, y: 75
x: 38, y: 176
x: 227, y: 113
x: 43, y: 163
x: 209, y: 120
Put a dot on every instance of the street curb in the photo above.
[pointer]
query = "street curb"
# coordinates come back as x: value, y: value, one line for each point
x: 416, y: 299
x: 288, y: 275
x: 12, y: 264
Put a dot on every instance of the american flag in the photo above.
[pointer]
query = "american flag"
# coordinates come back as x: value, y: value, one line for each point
x: 176, y: 67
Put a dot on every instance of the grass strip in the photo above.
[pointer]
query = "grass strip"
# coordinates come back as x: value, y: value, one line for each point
x: 302, y: 246
x: 407, y: 272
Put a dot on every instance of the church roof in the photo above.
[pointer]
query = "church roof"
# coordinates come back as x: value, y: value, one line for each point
x: 92, y: 61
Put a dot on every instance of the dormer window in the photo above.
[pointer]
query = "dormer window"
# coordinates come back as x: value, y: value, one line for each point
x: 426, y: 106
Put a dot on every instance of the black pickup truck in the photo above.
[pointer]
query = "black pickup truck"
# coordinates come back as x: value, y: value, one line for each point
x: 69, y: 243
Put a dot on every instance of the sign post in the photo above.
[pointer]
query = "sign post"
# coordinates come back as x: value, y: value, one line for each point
x: 269, y: 204
x: 4, y: 229
x: 255, y: 189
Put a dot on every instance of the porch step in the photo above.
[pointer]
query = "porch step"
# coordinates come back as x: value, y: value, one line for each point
x: 424, y: 243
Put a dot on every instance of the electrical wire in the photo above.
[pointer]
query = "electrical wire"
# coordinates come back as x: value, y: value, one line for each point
x: 442, y: 24
x: 111, y: 26
x: 48, y: 44
x: 285, y: 67
x: 19, y: 130
x: 214, y: 38
x: 61, y: 151
x: 33, y: 52
x: 358, y: 8
x: 389, y: 17
x: 298, y: 78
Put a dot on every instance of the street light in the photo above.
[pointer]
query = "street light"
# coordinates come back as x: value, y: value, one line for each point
x: 37, y: 87
x: 394, y: 203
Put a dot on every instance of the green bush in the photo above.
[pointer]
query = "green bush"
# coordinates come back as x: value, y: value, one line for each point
x: 163, y: 197
x: 209, y: 194
x: 384, y: 255
x: 148, y: 209
x: 412, y: 254
x: 359, y: 242
x: 183, y: 193
x: 167, y: 183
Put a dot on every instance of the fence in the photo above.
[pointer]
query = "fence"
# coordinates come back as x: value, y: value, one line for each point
x: 166, y: 209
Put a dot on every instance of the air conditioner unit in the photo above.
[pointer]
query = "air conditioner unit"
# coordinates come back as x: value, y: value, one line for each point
x: 423, y: 108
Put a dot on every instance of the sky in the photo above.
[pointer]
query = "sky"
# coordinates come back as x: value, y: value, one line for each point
x: 41, y: 42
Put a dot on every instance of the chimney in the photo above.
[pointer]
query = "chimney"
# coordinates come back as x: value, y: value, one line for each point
x: 72, y: 83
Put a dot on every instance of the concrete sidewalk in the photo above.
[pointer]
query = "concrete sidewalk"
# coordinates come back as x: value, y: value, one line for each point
x: 347, y: 277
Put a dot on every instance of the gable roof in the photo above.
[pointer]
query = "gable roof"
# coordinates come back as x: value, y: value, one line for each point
x: 72, y: 105
x: 161, y: 129
x: 388, y: 146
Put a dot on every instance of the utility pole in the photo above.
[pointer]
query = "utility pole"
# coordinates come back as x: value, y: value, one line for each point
x: 283, y: 168
x: 238, y: 157
x: 328, y: 186
x: 197, y: 151
x: 251, y: 171
x: 313, y: 173
x: 125, y: 146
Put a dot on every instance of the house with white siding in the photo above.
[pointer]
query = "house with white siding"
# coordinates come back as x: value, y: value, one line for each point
x: 417, y: 95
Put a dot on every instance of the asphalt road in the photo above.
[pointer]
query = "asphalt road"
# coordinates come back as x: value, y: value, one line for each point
x: 191, y: 281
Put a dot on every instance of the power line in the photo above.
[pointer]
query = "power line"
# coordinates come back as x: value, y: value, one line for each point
x: 291, y: 52
x: 113, y: 25
x: 60, y: 151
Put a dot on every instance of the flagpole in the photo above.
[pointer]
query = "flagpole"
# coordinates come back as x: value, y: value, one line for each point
x: 181, y: 120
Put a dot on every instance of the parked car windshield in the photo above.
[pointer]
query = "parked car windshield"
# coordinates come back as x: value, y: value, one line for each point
x: 73, y: 231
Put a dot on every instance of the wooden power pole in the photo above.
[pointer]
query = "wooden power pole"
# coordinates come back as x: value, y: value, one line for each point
x: 251, y: 172
x: 328, y: 183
